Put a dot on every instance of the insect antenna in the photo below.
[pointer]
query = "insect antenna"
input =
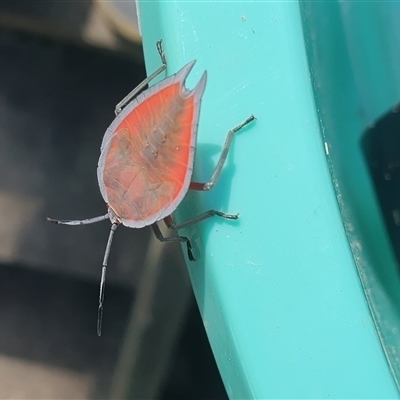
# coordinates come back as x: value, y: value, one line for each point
x: 114, y: 227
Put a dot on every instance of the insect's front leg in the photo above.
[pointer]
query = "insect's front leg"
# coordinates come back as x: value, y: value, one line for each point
x: 134, y: 92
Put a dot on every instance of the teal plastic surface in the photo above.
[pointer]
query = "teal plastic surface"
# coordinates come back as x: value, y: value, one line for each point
x: 354, y: 86
x: 278, y: 290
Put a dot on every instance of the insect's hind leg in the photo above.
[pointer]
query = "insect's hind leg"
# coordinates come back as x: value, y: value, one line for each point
x: 137, y: 89
x: 224, y: 153
x: 182, y: 239
x: 171, y: 225
x: 210, y: 213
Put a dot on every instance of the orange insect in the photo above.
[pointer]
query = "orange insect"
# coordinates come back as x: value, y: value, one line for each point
x: 146, y: 160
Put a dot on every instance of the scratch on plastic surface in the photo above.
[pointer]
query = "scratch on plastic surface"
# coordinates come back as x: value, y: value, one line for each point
x: 195, y: 35
x: 232, y: 91
x: 242, y: 35
x: 248, y: 262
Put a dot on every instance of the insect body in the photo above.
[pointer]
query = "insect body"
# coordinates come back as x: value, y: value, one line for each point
x: 147, y: 153
x: 146, y: 160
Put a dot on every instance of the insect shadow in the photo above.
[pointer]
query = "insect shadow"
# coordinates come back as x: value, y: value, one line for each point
x: 206, y: 157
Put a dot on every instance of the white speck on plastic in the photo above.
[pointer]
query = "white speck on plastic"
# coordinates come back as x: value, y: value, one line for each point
x: 326, y: 146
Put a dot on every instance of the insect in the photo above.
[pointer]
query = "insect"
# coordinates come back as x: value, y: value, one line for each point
x: 146, y: 160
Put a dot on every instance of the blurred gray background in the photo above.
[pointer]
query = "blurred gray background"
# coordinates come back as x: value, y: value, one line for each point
x: 63, y: 67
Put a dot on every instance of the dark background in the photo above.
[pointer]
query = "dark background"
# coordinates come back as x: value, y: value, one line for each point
x: 63, y: 67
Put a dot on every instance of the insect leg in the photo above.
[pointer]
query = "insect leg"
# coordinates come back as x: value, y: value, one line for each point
x: 79, y: 222
x: 103, y: 278
x: 208, y: 185
x: 210, y: 213
x: 134, y: 92
x: 162, y: 238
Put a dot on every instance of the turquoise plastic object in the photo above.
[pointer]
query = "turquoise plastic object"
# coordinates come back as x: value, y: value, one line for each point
x: 282, y: 291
